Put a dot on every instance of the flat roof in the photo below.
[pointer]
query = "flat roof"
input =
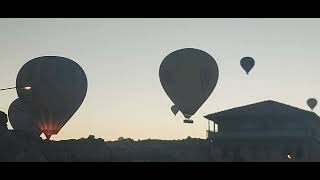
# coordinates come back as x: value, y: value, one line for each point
x: 268, y: 108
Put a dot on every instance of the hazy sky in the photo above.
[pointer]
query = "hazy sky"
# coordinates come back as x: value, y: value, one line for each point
x: 121, y: 58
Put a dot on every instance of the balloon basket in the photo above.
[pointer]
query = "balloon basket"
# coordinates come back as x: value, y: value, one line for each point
x: 189, y: 121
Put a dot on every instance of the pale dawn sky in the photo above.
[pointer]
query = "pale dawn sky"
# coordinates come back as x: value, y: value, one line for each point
x: 121, y: 58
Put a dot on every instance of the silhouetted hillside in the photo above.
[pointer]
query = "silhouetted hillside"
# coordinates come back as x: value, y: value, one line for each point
x: 19, y: 146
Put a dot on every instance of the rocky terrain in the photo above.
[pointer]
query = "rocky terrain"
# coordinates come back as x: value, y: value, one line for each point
x: 18, y: 146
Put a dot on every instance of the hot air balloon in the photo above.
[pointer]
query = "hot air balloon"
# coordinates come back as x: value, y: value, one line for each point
x: 312, y: 103
x: 21, y: 117
x: 188, y: 76
x: 58, y: 88
x: 247, y: 63
x: 174, y: 109
x: 3, y: 118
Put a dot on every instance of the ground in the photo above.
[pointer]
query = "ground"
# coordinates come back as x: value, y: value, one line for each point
x: 20, y: 146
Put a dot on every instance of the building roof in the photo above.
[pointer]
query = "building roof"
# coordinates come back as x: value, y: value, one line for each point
x: 267, y: 108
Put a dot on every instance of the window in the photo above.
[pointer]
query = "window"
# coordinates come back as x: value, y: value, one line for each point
x: 268, y: 153
x: 300, y: 152
x: 253, y: 150
x: 224, y: 152
x: 236, y: 154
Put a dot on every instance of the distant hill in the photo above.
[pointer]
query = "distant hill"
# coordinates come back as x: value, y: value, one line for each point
x: 19, y: 146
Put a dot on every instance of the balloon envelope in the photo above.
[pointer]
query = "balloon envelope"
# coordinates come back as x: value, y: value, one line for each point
x: 247, y: 63
x: 174, y: 109
x: 58, y: 88
x: 312, y: 103
x: 21, y: 117
x: 188, y: 76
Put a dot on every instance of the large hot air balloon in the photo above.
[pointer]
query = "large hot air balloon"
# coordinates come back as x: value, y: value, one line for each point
x: 22, y: 116
x: 188, y: 76
x: 174, y: 109
x: 58, y: 88
x: 247, y: 63
x: 312, y: 103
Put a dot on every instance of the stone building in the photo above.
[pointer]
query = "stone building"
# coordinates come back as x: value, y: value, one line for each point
x: 264, y: 131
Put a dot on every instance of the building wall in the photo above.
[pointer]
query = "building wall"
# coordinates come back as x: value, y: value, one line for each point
x: 265, y: 150
x: 264, y: 123
x: 270, y: 137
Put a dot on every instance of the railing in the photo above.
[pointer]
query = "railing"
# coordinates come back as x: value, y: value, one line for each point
x: 296, y: 133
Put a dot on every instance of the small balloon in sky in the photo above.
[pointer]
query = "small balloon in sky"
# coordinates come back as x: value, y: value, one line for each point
x: 312, y: 103
x: 174, y: 109
x: 247, y: 64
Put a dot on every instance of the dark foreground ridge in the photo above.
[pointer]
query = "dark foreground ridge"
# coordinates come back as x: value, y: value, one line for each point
x: 18, y: 146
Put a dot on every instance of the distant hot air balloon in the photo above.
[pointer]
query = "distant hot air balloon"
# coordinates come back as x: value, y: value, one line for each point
x: 58, y: 88
x: 312, y: 103
x: 22, y: 116
x: 174, y: 109
x: 247, y: 63
x: 188, y: 76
